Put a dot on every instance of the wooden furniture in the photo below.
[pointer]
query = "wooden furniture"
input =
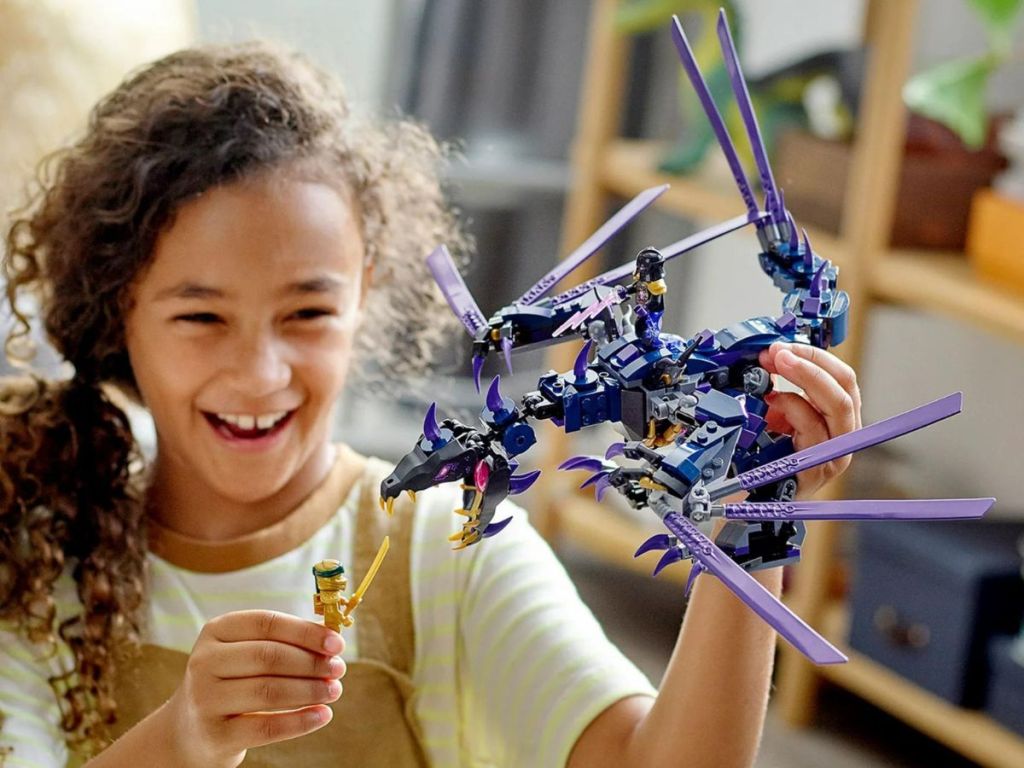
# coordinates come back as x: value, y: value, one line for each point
x: 607, y: 167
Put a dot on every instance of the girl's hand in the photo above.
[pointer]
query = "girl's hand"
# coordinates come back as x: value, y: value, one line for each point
x: 828, y: 407
x: 253, y: 678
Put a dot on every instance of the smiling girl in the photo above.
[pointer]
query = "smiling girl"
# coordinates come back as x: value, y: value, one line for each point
x: 225, y: 245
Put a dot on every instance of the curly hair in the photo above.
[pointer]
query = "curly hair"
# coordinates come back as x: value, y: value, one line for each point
x: 70, y: 490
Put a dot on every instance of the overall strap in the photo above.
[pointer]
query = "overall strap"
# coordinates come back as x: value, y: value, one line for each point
x: 384, y: 620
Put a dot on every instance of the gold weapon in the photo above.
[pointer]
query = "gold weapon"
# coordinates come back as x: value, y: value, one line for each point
x: 357, y: 596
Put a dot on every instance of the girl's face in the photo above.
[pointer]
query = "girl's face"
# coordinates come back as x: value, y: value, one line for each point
x: 240, y: 334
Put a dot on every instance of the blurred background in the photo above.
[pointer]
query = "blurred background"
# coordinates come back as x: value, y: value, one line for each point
x: 562, y: 111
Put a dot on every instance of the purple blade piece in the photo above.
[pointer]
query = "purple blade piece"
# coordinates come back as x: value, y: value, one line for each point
x: 747, y: 589
x: 478, y: 366
x: 615, y: 449
x: 673, y: 555
x: 657, y: 541
x: 676, y: 249
x: 519, y: 483
x: 711, y: 110
x: 447, y: 276
x: 593, y: 243
x: 601, y: 487
x: 589, y: 463
x: 860, y: 509
x: 808, y: 253
x: 876, y: 433
x: 497, y: 527
x: 506, y: 348
x: 739, y: 88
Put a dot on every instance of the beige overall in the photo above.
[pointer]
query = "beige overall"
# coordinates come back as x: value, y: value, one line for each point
x: 373, y: 724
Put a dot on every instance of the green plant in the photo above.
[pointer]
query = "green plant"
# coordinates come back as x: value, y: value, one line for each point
x: 953, y: 93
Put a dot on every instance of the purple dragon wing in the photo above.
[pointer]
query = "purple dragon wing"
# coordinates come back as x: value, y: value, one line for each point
x: 711, y: 110
x: 772, y: 201
x: 747, y: 589
x: 593, y: 243
x: 447, y: 276
x: 675, y: 249
x: 876, y: 433
x: 860, y: 509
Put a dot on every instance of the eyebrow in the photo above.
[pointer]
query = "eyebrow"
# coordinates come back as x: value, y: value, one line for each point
x: 190, y: 290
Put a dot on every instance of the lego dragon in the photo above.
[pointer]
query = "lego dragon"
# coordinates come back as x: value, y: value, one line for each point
x: 693, y: 409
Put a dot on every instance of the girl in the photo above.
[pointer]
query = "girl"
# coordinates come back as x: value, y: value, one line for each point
x: 222, y: 246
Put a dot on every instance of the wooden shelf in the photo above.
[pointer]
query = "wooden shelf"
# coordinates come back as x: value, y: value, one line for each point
x: 944, y: 283
x: 970, y: 732
x: 629, y: 166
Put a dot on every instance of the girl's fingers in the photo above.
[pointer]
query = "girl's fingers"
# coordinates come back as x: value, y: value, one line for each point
x: 240, y: 626
x: 256, y: 729
x: 253, y: 658
x: 834, y: 402
x: 808, y: 426
x: 272, y: 694
x: 775, y: 419
x: 842, y: 373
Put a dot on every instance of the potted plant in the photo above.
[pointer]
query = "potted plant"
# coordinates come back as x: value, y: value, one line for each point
x: 953, y: 94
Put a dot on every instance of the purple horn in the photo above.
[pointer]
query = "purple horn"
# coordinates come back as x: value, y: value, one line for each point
x: 430, y: 429
x: 808, y: 253
x: 579, y: 368
x: 495, y: 402
x: 794, y: 240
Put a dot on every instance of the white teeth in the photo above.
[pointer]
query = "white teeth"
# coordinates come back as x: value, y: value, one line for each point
x: 246, y: 421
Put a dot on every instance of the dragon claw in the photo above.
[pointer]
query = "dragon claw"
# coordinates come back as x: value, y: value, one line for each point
x: 673, y: 555
x: 658, y: 541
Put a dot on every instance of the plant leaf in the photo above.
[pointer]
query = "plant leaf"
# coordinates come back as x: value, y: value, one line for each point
x: 953, y: 94
x: 998, y: 16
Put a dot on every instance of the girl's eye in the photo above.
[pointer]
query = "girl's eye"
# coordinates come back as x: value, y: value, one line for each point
x: 312, y: 313
x: 203, y: 318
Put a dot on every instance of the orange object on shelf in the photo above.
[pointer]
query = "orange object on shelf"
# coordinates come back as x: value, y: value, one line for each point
x: 995, y: 239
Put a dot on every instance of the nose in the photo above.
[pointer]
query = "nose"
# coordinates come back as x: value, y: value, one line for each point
x: 259, y: 365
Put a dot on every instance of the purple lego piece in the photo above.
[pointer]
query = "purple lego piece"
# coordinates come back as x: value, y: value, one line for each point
x: 591, y: 463
x: 671, y: 251
x: 506, y: 349
x: 579, y: 367
x: 447, y: 276
x: 593, y: 243
x: 786, y: 321
x: 519, y: 483
x: 431, y: 430
x: 739, y: 88
x: 860, y: 509
x: 714, y: 116
x: 478, y: 366
x: 615, y: 449
x: 495, y: 402
x: 811, y: 305
x: 760, y: 600
x: 851, y: 442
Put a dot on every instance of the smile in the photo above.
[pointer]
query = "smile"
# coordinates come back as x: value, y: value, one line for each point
x: 248, y: 426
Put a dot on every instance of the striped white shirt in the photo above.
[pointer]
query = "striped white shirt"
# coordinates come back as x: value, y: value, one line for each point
x: 510, y: 666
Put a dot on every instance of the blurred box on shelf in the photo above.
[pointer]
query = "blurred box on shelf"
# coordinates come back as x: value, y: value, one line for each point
x: 1005, y: 701
x: 995, y: 239
x: 928, y: 597
x: 938, y: 177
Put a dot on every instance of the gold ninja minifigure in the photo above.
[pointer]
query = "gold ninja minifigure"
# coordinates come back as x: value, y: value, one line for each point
x: 329, y: 600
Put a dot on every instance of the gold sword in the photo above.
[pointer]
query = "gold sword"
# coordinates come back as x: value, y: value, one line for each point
x: 357, y: 596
